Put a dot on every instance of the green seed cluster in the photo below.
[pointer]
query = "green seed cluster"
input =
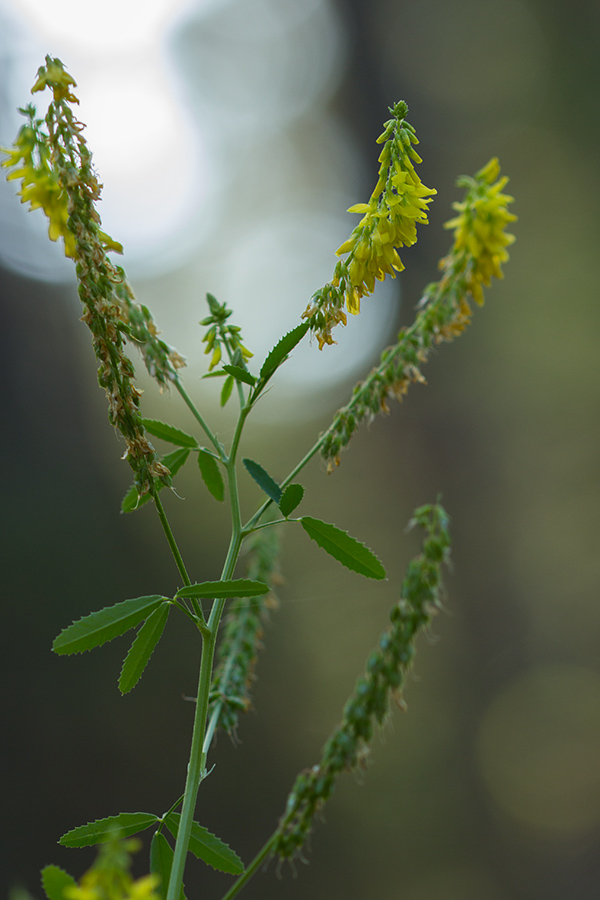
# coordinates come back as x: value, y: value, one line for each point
x: 161, y: 360
x: 369, y: 705
x: 243, y: 631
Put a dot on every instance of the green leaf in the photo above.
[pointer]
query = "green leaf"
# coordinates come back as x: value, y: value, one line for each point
x: 169, y: 433
x: 111, y: 828
x: 227, y: 389
x: 291, y: 497
x: 347, y: 550
x: 143, y: 647
x: 173, y: 461
x: 131, y: 501
x: 161, y: 863
x: 263, y: 480
x: 211, y: 474
x: 102, y: 626
x: 207, y: 847
x: 54, y: 881
x: 238, y: 587
x: 281, y: 350
x: 240, y: 374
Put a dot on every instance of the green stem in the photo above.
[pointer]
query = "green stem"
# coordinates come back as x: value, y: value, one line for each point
x: 196, y: 605
x: 199, y: 418
x: 199, y: 748
x: 251, y: 870
x: 240, y: 389
x: 196, y: 767
x: 171, y: 538
x: 364, y: 387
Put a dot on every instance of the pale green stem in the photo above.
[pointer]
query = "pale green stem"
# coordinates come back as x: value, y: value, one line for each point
x: 171, y: 538
x: 250, y: 525
x: 240, y: 389
x: 251, y: 870
x: 196, y: 605
x: 199, y: 418
x: 199, y: 748
x: 196, y: 768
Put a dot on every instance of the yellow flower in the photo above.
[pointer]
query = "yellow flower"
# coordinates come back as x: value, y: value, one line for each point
x: 399, y: 201
x: 389, y: 222
x: 41, y: 186
x: 109, y: 877
x: 53, y: 75
x: 479, y: 237
x: 144, y: 888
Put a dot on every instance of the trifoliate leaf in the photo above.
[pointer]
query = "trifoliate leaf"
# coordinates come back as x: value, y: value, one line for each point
x: 227, y: 389
x: 240, y: 374
x: 207, y: 847
x: 281, y: 350
x: 143, y: 647
x: 238, y: 587
x: 109, y: 829
x: 102, y: 626
x: 263, y: 480
x: 291, y: 498
x: 54, y: 881
x: 169, y: 433
x: 347, y: 550
x: 211, y: 474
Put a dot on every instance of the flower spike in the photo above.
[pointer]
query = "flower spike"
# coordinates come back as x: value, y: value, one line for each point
x: 389, y: 221
x: 479, y: 234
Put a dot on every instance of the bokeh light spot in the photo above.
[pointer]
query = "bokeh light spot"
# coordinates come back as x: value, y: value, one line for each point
x: 538, y: 749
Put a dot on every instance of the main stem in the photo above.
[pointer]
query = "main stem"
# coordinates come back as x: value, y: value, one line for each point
x: 198, y: 752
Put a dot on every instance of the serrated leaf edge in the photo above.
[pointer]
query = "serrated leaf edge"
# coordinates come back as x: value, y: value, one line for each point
x: 174, y: 828
x: 80, y: 828
x: 165, y: 606
x: 355, y: 540
x: 108, y: 640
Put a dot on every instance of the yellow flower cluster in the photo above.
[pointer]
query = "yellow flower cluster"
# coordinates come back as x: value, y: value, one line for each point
x: 57, y: 175
x: 29, y: 159
x: 398, y: 202
x: 109, y: 878
x: 93, y: 887
x: 479, y: 236
x: 444, y: 312
x: 54, y: 76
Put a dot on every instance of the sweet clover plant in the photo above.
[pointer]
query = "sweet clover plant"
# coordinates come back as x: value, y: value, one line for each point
x: 51, y: 160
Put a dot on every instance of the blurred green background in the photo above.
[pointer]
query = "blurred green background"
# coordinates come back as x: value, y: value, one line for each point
x: 488, y: 788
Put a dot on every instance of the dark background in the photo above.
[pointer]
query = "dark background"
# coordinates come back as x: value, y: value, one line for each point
x: 489, y: 787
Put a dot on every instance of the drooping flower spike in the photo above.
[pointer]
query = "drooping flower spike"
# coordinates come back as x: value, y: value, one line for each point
x: 57, y: 174
x: 399, y: 201
x: 479, y: 248
x: 479, y: 236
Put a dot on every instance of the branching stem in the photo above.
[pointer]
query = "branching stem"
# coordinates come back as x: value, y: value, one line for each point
x: 199, y: 418
x: 200, y: 745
